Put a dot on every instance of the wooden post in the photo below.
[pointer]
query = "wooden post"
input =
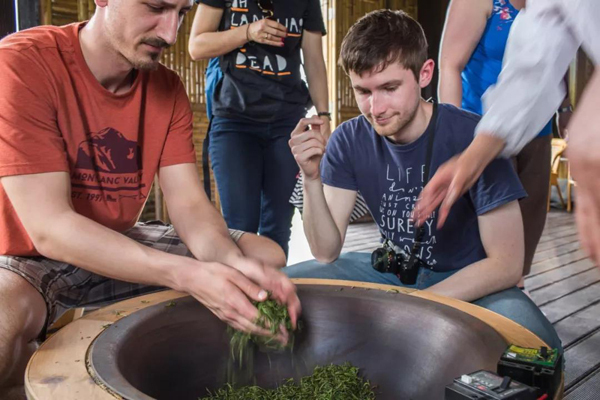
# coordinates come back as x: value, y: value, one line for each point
x: 46, y: 12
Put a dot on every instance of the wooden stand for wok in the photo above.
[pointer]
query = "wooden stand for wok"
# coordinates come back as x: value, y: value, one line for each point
x: 58, y: 370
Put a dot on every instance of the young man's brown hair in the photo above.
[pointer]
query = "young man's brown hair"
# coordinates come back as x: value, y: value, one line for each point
x: 383, y: 37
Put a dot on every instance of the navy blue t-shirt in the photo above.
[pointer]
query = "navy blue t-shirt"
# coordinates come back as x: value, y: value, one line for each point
x: 390, y: 177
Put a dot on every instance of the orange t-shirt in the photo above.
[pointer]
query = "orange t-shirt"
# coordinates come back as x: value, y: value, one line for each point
x: 55, y: 116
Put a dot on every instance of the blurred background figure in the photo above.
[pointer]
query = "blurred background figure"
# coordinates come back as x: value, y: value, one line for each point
x: 471, y: 54
x: 258, y: 102
x: 543, y: 41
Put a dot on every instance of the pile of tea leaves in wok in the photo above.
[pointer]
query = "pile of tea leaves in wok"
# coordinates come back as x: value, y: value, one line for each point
x: 333, y: 382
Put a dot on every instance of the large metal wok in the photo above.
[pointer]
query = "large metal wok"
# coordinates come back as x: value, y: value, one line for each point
x: 409, y: 344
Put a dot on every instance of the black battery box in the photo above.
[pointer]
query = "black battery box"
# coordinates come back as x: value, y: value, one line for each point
x: 486, y: 385
x: 539, y: 368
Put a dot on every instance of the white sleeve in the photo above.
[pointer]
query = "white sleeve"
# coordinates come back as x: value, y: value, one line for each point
x: 530, y: 88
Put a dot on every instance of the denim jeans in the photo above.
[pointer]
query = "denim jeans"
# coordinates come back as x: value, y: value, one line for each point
x: 511, y: 303
x: 255, y: 173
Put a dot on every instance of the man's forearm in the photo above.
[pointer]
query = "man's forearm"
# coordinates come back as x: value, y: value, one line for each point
x: 481, y: 152
x: 478, y: 280
x: 79, y: 241
x: 321, y: 231
x: 204, y: 231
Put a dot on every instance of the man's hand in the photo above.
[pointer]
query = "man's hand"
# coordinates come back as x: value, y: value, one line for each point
x: 276, y: 282
x: 455, y: 177
x: 308, y: 146
x: 226, y: 292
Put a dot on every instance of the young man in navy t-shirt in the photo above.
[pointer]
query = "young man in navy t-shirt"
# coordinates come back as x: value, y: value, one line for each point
x: 478, y: 255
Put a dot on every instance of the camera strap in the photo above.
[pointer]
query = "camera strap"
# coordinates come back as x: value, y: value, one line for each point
x: 420, y: 232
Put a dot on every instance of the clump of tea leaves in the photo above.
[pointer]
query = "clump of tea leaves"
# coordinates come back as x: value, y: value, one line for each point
x: 273, y: 317
x: 333, y: 382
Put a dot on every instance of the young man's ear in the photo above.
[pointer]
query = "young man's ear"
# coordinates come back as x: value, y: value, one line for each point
x: 426, y: 74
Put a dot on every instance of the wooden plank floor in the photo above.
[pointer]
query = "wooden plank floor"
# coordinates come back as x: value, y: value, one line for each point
x: 564, y: 283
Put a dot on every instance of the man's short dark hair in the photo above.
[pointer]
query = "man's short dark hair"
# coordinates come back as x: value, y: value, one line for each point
x: 381, y: 38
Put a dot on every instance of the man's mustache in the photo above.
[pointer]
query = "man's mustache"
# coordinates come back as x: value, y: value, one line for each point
x: 156, y: 42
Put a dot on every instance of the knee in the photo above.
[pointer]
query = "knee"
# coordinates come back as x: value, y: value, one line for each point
x: 262, y: 249
x: 22, y: 308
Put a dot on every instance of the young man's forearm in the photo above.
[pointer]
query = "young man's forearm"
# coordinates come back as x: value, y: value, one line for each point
x: 79, y: 241
x: 321, y: 231
x: 478, y: 280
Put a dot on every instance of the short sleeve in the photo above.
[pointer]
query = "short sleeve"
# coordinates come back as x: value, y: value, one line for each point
x: 30, y: 141
x: 214, y: 3
x: 497, y: 186
x: 337, y: 166
x: 179, y: 146
x: 313, y: 20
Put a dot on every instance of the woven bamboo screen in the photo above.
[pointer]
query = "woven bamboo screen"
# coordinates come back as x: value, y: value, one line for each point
x: 61, y: 12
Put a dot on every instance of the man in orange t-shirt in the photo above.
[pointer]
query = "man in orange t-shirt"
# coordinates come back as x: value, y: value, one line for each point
x: 88, y: 117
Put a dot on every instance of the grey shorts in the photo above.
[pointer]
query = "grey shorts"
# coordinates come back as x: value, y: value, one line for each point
x: 64, y: 286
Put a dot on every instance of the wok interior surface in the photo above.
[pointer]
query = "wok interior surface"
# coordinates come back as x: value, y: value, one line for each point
x: 409, y: 347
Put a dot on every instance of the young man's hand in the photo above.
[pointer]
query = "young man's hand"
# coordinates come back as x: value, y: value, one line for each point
x: 308, y: 146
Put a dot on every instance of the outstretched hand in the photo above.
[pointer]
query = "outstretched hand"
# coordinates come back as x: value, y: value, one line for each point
x: 455, y: 177
x: 450, y: 182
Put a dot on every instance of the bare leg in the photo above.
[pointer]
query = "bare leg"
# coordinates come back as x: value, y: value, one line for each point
x: 23, y: 313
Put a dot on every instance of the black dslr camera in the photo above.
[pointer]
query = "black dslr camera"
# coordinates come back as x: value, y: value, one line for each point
x: 406, y: 266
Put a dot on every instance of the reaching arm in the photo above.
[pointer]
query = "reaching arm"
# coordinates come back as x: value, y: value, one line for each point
x: 207, y: 42
x: 42, y: 203
x: 58, y: 232
x: 196, y: 220
x: 316, y: 75
x: 541, y: 45
x: 530, y: 87
x: 501, y: 232
x: 465, y: 23
x: 203, y: 230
